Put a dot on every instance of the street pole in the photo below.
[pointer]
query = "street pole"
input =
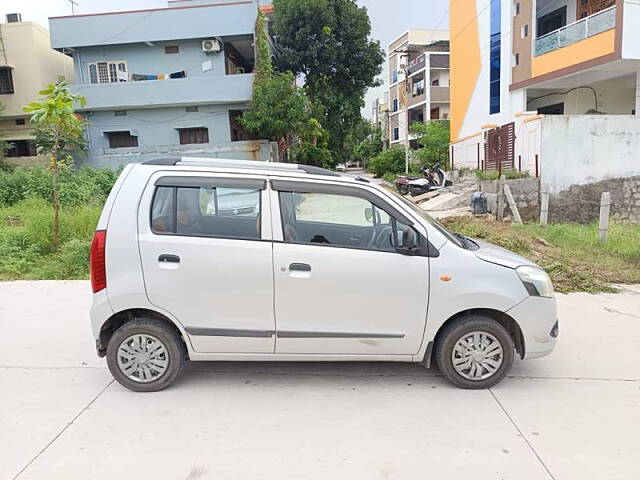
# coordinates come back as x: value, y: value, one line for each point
x: 406, y: 107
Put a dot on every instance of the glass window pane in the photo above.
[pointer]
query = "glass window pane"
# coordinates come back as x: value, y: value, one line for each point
x: 218, y: 212
x: 335, y: 220
x: 162, y: 210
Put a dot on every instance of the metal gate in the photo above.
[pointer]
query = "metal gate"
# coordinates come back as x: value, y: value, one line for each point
x: 499, y: 148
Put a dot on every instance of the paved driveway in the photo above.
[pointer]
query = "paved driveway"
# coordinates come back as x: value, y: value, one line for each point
x: 573, y: 415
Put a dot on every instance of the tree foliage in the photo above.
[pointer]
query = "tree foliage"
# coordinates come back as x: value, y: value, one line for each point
x: 59, y: 133
x: 433, y: 137
x: 390, y: 161
x: 279, y: 108
x: 327, y: 42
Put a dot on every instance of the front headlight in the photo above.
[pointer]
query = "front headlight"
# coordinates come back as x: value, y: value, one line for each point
x: 535, y: 280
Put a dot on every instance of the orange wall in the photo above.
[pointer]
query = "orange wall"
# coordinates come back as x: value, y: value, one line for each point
x: 465, y: 60
x: 587, y: 49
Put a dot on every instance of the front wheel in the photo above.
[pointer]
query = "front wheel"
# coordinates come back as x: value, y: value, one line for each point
x: 474, y: 352
x: 145, y: 355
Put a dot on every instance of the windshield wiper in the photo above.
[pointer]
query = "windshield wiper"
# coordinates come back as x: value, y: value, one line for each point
x: 467, y: 243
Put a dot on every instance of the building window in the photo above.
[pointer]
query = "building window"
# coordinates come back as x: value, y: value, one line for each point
x: 395, y: 104
x: 6, y: 81
x: 193, y: 135
x: 525, y: 31
x: 517, y: 59
x: 494, y: 58
x: 417, y: 88
x: 122, y: 139
x: 238, y: 132
x: 120, y: 113
x: 517, y: 8
x: 171, y: 49
x: 21, y: 148
x: 191, y: 108
x: 21, y: 121
x: 396, y: 133
x: 108, y: 72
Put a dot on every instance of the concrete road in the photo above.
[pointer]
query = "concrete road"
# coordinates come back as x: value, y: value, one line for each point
x: 573, y: 415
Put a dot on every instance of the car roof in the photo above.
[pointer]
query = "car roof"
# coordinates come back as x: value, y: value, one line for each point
x: 223, y: 165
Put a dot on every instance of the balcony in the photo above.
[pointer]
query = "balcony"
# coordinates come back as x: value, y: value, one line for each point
x: 181, y: 91
x: 574, y: 32
x: 439, y: 94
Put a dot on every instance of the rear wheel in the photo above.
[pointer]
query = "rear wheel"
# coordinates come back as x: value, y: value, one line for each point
x: 145, y: 355
x: 474, y: 352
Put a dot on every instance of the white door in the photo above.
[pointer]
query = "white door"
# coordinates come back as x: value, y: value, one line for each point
x: 207, y: 262
x: 340, y: 285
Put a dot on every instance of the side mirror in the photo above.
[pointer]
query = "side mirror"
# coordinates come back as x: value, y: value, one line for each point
x: 407, y: 242
x: 368, y: 214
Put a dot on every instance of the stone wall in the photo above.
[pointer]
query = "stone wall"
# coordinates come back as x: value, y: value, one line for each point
x: 525, y: 192
x: 581, y: 203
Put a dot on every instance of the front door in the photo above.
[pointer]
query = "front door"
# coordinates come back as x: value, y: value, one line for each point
x: 340, y: 285
x: 207, y: 262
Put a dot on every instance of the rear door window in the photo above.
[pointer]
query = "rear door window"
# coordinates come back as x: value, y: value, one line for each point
x: 226, y: 212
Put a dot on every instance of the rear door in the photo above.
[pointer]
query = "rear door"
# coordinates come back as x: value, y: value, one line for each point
x: 206, y: 251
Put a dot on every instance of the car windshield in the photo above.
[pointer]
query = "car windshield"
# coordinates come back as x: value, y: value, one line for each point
x: 431, y: 221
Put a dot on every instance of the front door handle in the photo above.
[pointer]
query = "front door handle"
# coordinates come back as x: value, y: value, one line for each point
x: 300, y: 267
x: 166, y: 258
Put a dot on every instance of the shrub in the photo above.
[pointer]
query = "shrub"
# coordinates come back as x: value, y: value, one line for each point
x: 83, y: 186
x: 391, y: 161
x: 26, y: 244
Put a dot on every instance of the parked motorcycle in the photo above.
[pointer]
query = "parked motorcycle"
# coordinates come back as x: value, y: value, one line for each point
x: 431, y: 179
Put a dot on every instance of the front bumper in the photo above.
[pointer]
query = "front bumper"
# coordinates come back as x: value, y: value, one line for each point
x: 538, y: 320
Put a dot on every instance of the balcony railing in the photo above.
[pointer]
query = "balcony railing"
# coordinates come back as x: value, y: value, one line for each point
x: 574, y: 32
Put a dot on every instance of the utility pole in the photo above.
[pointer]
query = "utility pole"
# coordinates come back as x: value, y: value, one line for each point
x: 405, y: 71
x: 73, y: 4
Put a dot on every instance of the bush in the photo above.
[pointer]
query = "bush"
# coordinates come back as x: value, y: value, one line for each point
x: 83, y: 186
x: 25, y: 240
x: 391, y: 161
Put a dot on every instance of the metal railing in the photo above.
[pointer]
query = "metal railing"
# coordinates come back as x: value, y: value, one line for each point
x: 574, y: 32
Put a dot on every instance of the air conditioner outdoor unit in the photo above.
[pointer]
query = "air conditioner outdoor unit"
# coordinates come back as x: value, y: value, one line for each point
x: 211, y: 45
x: 14, y: 17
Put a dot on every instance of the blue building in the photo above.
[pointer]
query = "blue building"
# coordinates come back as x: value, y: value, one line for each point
x: 167, y: 81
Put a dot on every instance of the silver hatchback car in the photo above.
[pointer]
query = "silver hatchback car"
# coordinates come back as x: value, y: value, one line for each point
x: 197, y: 259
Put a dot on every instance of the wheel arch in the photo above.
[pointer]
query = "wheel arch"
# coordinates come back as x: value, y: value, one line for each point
x: 508, y: 322
x: 114, y: 322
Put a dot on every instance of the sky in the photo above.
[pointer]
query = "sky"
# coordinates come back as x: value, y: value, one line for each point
x: 389, y: 18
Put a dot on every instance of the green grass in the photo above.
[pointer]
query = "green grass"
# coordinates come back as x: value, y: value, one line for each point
x: 493, y: 174
x: 569, y: 252
x: 25, y: 241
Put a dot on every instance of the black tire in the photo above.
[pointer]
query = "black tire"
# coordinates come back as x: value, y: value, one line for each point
x: 175, y: 353
x: 455, y: 331
x: 402, y: 189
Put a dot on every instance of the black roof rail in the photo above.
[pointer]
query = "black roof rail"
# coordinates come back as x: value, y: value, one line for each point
x: 164, y: 161
x: 311, y: 170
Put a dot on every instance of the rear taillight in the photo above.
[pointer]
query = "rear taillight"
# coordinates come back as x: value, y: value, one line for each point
x: 98, y: 267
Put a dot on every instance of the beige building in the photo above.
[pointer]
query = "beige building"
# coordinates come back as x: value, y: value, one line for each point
x: 27, y: 63
x: 418, y: 62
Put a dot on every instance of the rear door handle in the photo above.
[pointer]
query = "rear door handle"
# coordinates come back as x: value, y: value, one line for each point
x: 300, y: 267
x: 166, y: 258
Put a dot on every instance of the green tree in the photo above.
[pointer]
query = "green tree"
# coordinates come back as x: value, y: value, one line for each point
x: 327, y: 42
x: 369, y: 142
x: 433, y: 137
x: 59, y: 133
x: 279, y: 109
